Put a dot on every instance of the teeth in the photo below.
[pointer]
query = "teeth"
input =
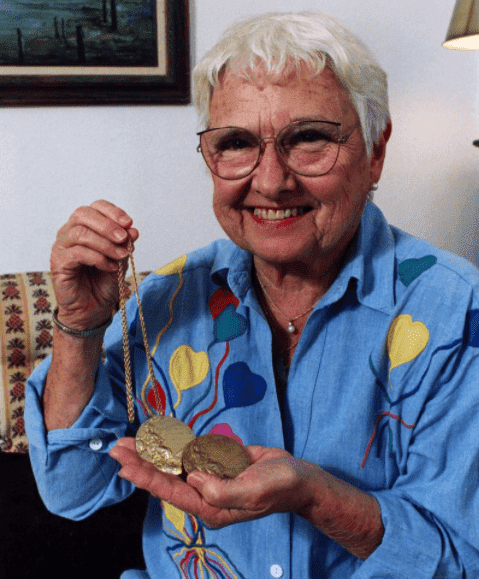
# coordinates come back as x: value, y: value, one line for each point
x: 272, y: 215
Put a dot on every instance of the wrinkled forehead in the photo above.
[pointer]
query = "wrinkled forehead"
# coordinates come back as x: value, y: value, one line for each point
x: 296, y: 88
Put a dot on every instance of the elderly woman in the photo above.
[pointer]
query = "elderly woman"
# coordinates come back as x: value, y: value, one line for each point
x: 341, y: 351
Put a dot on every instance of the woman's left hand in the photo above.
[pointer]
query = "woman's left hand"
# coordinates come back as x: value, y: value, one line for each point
x: 274, y: 482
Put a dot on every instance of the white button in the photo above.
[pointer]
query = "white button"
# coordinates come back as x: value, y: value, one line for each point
x: 96, y: 444
x: 276, y: 571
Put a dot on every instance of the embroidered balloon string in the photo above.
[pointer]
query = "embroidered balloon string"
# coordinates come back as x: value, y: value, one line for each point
x: 123, y: 266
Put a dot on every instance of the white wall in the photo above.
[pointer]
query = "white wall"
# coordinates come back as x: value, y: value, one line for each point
x: 144, y: 158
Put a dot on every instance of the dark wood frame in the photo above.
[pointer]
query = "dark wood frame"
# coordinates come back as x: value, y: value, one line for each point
x: 172, y: 88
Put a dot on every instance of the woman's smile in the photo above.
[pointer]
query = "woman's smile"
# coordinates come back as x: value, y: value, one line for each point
x: 268, y: 214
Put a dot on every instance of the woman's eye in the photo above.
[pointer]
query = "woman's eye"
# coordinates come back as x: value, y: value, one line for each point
x: 231, y: 141
x: 308, y: 136
x: 234, y: 144
x: 311, y: 136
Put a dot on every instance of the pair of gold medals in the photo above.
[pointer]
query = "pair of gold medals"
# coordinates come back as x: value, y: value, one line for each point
x: 172, y: 447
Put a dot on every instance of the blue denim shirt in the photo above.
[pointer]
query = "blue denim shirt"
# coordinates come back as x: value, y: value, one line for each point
x: 382, y: 392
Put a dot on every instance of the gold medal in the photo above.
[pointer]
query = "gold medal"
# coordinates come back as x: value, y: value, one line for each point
x: 161, y: 440
x: 216, y: 454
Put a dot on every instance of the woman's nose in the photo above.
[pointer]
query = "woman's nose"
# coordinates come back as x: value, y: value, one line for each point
x: 272, y: 176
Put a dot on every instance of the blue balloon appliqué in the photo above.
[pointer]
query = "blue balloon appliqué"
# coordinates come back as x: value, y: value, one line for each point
x: 229, y: 324
x: 241, y: 386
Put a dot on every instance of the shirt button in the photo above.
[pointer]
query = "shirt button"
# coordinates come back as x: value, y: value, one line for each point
x: 96, y: 444
x: 276, y: 571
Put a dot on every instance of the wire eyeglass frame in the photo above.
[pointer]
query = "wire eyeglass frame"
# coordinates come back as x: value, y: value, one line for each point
x: 261, y: 144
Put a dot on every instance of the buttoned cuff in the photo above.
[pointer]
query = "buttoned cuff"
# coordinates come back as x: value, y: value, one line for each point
x: 97, y: 429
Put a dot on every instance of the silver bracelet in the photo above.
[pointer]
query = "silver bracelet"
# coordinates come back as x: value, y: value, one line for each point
x: 79, y: 333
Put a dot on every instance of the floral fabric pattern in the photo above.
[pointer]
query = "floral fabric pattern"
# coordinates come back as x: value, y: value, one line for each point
x: 27, y: 302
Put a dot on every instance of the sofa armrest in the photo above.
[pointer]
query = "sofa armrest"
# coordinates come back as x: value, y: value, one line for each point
x: 27, y: 302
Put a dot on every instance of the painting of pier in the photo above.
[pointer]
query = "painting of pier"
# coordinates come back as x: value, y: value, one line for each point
x: 94, y: 52
x: 79, y: 33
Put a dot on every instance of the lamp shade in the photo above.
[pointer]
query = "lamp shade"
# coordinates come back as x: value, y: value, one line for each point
x: 463, y: 33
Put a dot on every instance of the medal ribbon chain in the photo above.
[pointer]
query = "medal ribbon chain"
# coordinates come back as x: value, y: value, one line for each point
x: 123, y: 266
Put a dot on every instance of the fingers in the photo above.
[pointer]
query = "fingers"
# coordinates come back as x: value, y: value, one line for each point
x: 133, y: 468
x: 126, y: 442
x: 139, y: 471
x: 94, y: 236
x: 113, y: 212
x: 145, y: 475
x: 219, y: 492
x: 84, y: 261
x: 269, y: 484
x: 117, y: 219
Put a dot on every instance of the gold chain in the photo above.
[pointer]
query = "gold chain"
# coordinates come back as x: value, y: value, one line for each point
x: 123, y: 266
x: 126, y: 348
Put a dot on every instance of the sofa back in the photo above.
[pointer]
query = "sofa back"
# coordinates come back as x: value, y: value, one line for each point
x: 27, y: 302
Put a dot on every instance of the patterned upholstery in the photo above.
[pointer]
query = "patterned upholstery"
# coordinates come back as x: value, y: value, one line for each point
x: 27, y: 302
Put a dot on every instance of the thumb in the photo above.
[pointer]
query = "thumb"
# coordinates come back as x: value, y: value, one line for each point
x: 198, y: 479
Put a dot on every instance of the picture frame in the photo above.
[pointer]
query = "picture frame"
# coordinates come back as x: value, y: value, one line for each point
x: 99, y: 52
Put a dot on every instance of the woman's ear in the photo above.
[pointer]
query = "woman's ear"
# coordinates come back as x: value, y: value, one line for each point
x: 379, y: 154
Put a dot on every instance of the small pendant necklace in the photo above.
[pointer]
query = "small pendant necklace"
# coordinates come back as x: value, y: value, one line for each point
x: 291, y: 327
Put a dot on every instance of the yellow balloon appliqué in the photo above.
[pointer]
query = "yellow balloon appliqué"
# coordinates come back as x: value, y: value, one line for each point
x: 173, y: 268
x: 175, y: 516
x: 187, y: 369
x: 406, y: 340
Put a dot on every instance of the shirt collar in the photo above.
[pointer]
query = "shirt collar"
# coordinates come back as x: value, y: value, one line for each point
x: 232, y: 267
x: 369, y: 260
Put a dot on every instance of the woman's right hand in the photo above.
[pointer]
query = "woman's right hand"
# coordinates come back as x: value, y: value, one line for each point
x: 84, y: 263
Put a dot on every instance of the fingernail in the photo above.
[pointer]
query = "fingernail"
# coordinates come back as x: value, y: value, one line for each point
x: 119, y: 234
x: 125, y: 220
x: 196, y: 477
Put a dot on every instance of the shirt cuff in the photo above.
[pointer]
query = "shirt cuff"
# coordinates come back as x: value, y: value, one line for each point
x: 411, y: 545
x: 103, y: 419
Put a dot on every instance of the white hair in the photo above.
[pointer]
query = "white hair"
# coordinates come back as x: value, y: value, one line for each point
x: 279, y: 40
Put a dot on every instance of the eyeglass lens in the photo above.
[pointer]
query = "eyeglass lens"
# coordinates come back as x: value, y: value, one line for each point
x: 308, y: 148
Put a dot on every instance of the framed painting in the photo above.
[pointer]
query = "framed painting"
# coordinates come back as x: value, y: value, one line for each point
x: 91, y: 52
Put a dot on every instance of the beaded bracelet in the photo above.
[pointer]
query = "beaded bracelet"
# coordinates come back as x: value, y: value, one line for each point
x: 79, y: 333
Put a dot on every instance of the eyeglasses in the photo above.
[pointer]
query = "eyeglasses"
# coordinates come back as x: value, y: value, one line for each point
x: 308, y: 148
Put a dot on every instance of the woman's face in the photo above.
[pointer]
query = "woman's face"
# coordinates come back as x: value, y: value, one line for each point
x: 328, y: 207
